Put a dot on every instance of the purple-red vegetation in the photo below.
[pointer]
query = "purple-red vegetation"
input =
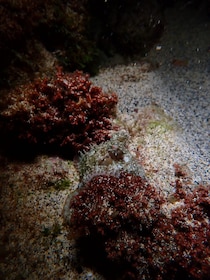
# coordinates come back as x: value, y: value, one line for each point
x: 64, y: 111
x: 149, y: 236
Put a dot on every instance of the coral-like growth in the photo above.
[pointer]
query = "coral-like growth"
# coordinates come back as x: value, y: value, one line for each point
x: 149, y: 236
x: 65, y: 111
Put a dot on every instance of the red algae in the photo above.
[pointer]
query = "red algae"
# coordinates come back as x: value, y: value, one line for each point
x: 128, y: 215
x: 64, y: 111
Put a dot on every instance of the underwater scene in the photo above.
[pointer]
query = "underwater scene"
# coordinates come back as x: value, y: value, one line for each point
x: 104, y: 140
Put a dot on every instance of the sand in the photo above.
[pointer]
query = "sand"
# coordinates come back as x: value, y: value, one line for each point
x: 175, y: 76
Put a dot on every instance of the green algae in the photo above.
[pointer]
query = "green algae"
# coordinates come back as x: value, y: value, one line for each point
x: 161, y: 125
x: 62, y: 184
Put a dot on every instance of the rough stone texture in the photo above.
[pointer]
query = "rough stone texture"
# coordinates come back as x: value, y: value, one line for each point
x: 126, y: 27
x: 69, y: 33
x: 110, y: 157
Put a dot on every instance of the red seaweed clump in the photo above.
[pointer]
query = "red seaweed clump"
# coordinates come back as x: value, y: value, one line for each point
x: 141, y: 233
x: 66, y: 111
